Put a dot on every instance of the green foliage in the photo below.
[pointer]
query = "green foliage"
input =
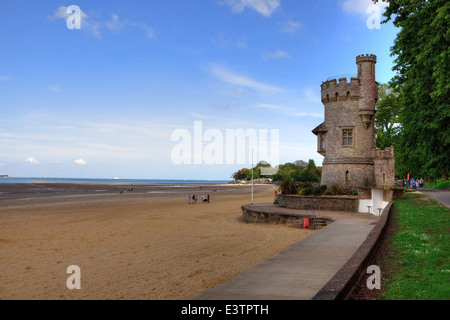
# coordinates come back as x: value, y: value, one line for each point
x: 290, y: 186
x: 299, y: 171
x: 387, y: 124
x: 336, y: 189
x: 246, y: 174
x: 440, y: 184
x: 422, y: 65
x: 307, y: 191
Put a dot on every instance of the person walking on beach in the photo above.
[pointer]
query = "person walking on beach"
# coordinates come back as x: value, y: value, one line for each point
x: 208, y: 198
x: 189, y: 199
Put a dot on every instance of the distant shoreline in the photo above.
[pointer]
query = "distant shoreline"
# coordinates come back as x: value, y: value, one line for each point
x: 49, y: 193
x: 107, y: 181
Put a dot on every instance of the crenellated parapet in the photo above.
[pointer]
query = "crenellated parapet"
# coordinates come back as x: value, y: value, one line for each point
x: 366, y: 58
x: 333, y: 91
x: 387, y: 153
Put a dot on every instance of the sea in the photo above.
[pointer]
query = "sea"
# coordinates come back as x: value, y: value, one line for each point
x: 113, y: 180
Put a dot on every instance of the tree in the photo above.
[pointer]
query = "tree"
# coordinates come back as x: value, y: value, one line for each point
x: 387, y: 123
x: 422, y: 65
x: 300, y: 163
x: 298, y: 171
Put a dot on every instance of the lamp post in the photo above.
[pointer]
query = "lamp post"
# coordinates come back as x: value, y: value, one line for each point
x: 252, y: 176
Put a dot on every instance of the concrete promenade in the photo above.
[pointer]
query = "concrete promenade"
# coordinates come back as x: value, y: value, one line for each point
x: 302, y: 270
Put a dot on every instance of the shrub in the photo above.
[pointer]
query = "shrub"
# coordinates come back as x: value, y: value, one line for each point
x: 307, y: 191
x: 336, y: 189
x: 351, y: 192
x: 319, y: 190
x: 290, y: 186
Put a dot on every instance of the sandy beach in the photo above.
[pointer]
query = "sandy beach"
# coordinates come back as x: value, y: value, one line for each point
x: 148, y: 243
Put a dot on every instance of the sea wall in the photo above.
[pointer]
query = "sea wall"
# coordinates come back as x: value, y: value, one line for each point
x: 331, y: 203
x: 251, y: 214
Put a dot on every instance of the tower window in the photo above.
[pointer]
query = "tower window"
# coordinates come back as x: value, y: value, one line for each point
x: 347, y: 176
x: 322, y: 142
x: 347, y: 137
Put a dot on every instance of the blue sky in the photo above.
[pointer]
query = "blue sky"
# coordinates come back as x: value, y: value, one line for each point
x: 105, y: 100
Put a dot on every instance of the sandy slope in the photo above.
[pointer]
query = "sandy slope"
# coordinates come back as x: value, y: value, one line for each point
x: 133, y: 247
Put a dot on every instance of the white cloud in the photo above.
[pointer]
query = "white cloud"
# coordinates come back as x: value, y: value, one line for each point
x: 308, y: 114
x: 264, y: 7
x: 312, y: 96
x: 291, y: 26
x: 93, y: 27
x: 54, y: 89
x: 269, y: 106
x: 148, y: 31
x: 80, y: 162
x: 32, y: 160
x: 360, y: 6
x: 223, y: 105
x: 232, y: 78
x: 87, y: 24
x: 275, y: 55
x: 201, y: 116
x: 114, y: 24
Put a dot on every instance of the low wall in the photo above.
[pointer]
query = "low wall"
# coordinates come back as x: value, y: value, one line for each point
x: 331, y: 203
x: 341, y: 286
x: 251, y: 214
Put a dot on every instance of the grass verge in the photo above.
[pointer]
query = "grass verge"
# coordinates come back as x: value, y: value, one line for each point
x: 440, y: 184
x: 418, y: 266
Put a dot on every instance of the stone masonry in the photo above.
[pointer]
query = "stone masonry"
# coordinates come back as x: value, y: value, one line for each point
x: 346, y: 138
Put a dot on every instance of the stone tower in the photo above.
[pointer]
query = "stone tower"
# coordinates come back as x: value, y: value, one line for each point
x: 347, y: 136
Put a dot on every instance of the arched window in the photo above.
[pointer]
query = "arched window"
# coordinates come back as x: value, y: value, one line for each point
x: 347, y: 176
x: 322, y: 142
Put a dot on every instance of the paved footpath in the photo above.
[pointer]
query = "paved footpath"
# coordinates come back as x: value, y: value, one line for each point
x: 300, y: 271
x: 442, y: 196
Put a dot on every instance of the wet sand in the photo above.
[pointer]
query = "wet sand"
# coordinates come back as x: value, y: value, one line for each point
x: 148, y: 243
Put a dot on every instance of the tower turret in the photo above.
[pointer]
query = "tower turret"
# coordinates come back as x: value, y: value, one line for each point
x: 369, y: 88
x: 347, y: 136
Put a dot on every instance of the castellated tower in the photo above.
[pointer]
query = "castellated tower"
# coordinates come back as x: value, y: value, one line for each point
x: 347, y: 136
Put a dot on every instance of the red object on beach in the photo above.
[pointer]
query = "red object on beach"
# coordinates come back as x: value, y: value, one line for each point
x: 306, y: 223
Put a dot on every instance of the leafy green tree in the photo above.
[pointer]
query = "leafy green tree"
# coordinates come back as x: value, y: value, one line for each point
x: 299, y: 171
x: 387, y: 123
x: 422, y: 65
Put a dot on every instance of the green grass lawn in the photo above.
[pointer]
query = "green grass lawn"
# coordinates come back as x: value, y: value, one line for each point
x: 419, y: 264
x: 440, y: 184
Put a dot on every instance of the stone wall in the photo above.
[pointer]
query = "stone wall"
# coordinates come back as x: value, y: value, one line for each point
x: 250, y: 214
x: 331, y: 203
x: 358, y: 174
x: 384, y: 167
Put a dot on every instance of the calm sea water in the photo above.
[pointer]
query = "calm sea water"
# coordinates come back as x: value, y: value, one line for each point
x: 88, y: 180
